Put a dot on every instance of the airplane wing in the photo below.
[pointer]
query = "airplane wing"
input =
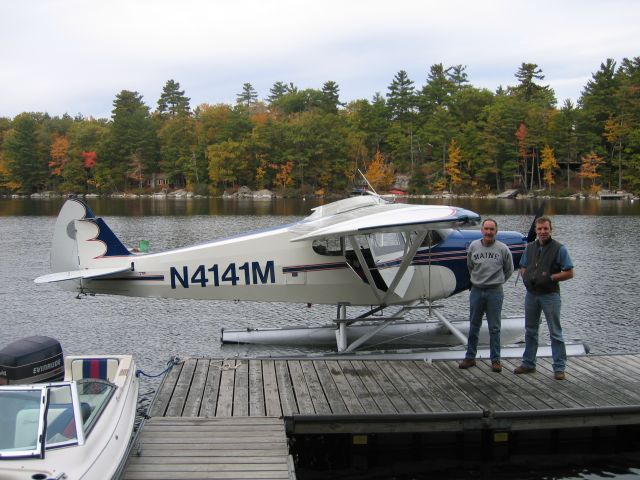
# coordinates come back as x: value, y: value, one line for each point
x: 76, y: 274
x: 385, y: 217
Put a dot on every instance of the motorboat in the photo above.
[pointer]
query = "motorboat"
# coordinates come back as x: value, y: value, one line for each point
x: 64, y: 418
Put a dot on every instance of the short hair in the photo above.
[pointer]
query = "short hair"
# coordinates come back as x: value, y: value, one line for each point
x: 490, y: 220
x: 540, y: 220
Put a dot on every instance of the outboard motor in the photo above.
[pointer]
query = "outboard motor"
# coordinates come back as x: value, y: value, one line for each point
x: 36, y: 359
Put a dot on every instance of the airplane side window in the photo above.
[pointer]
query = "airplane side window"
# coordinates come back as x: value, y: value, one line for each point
x: 384, y: 243
x: 432, y: 239
x: 327, y: 246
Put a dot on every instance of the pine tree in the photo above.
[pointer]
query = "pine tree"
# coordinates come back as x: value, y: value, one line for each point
x: 172, y: 101
x: 248, y: 96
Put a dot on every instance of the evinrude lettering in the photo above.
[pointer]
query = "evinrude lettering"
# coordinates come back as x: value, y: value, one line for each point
x: 46, y: 367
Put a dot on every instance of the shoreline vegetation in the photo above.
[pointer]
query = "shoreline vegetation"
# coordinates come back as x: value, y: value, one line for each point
x: 245, y: 193
x: 445, y: 137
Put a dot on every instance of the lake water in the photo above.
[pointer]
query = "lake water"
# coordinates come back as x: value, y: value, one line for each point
x: 600, y: 305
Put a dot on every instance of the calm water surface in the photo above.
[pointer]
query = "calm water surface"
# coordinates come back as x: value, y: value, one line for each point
x: 600, y: 305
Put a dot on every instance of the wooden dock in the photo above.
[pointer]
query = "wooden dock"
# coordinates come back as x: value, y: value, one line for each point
x: 358, y: 398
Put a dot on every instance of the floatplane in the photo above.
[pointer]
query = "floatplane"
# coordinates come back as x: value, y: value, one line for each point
x: 362, y: 251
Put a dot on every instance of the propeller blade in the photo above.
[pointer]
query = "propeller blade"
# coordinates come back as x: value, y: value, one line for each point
x: 531, y: 236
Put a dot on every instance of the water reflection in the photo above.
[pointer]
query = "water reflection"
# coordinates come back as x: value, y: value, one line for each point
x: 144, y: 206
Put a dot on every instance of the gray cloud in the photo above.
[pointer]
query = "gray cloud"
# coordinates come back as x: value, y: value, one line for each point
x: 74, y: 56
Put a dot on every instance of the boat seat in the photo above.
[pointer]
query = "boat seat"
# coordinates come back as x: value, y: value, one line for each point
x: 26, y: 423
x: 100, y: 368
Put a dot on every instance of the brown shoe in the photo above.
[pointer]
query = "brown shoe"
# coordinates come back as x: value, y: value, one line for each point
x: 558, y: 375
x: 521, y: 369
x: 467, y: 363
x: 496, y: 366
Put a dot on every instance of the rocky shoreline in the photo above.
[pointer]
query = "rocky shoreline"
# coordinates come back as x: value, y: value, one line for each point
x: 265, y: 194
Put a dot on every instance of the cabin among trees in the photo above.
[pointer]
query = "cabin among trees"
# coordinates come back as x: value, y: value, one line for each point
x: 441, y: 135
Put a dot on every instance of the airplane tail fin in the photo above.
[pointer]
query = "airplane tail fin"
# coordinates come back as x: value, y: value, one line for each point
x: 82, y: 244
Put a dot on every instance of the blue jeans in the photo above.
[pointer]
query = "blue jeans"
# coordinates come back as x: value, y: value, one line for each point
x: 481, y: 301
x: 534, y: 305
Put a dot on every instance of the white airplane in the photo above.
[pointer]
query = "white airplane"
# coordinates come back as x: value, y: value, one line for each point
x: 360, y: 251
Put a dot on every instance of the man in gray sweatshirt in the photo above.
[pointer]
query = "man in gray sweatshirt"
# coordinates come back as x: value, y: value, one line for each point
x: 490, y: 265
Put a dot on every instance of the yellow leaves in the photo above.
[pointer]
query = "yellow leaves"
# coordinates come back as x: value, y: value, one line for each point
x: 379, y: 174
x: 548, y: 164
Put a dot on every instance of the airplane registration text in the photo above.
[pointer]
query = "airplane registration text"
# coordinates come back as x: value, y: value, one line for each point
x: 247, y: 273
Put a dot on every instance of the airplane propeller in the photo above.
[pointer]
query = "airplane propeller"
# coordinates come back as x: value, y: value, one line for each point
x: 531, y: 236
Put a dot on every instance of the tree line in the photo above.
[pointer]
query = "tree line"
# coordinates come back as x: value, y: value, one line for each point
x: 445, y: 135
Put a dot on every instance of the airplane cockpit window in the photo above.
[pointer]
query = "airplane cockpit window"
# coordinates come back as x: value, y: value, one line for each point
x: 328, y: 246
x: 432, y: 239
x: 385, y: 243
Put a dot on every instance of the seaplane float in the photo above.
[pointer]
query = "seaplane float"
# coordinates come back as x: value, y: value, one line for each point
x: 64, y: 417
x: 363, y: 251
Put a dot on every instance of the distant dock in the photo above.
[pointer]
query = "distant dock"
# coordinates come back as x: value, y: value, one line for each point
x: 248, y: 418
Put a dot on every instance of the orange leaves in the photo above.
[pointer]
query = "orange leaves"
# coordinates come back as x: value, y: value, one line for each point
x: 590, y: 163
x: 58, y: 153
x: 379, y: 174
x: 283, y: 176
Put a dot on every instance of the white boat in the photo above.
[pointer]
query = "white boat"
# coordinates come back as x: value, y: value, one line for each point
x: 77, y: 428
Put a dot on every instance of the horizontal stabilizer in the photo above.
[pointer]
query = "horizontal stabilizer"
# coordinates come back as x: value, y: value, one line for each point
x: 76, y: 274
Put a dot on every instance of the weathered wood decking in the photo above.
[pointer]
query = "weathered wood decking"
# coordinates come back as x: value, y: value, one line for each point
x: 379, y: 396
x: 183, y: 447
x: 313, y: 394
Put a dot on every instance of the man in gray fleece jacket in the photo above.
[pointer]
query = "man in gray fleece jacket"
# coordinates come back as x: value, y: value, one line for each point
x: 490, y: 265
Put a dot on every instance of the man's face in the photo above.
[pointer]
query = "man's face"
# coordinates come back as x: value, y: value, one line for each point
x: 489, y: 231
x: 543, y: 232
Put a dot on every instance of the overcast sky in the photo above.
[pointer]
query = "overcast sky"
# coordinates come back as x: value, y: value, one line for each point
x: 75, y: 56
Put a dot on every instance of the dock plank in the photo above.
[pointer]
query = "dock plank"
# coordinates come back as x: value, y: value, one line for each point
x: 320, y: 403
x: 271, y: 395
x: 210, y: 448
x: 345, y: 390
x: 256, y: 389
x: 179, y: 397
x: 285, y: 388
x: 211, y: 389
x: 299, y: 384
x: 225, y: 393
x: 193, y: 402
x: 382, y: 402
x: 241, y: 389
x: 165, y: 391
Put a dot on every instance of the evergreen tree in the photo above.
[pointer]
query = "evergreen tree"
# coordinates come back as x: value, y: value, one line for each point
x: 330, y: 97
x: 131, y: 137
x: 401, y: 98
x: 530, y: 91
x: 248, y: 97
x: 278, y: 90
x: 172, y: 101
x: 26, y: 160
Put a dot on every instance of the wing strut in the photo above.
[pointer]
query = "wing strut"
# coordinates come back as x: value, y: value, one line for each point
x: 406, y: 261
x: 365, y: 267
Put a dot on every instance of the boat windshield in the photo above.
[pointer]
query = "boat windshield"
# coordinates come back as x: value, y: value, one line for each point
x: 21, y: 422
x: 33, y: 412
